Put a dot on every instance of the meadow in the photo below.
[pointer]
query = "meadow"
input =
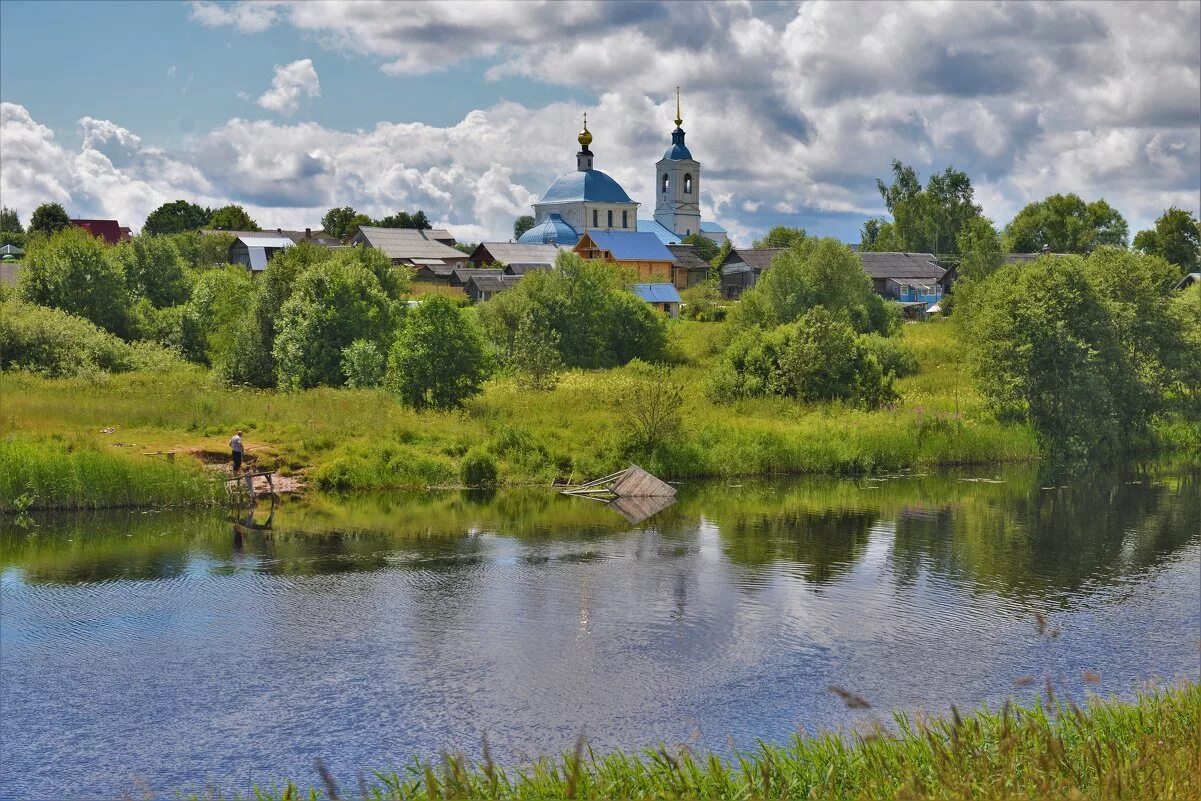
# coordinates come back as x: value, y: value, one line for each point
x: 1110, y: 750
x: 346, y: 439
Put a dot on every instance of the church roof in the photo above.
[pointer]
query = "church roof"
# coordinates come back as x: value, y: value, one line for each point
x: 678, y: 150
x: 580, y: 185
x: 665, y: 234
x: 554, y: 230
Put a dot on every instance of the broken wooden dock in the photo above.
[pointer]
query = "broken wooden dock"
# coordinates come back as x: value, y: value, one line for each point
x: 232, y: 483
x: 633, y: 482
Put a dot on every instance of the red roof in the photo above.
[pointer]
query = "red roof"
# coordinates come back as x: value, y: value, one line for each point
x: 109, y: 230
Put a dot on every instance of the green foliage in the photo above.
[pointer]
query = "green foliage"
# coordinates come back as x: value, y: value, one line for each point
x: 891, y: 353
x: 478, y: 469
x: 334, y: 302
x: 154, y: 269
x: 10, y: 221
x: 363, y: 364
x: 815, y: 272
x: 163, y: 326
x: 439, y: 358
x: 723, y: 252
x: 980, y: 249
x: 393, y: 278
x: 343, y: 221
x: 1176, y: 237
x: 201, y: 251
x: 781, y: 236
x: 72, y: 271
x: 221, y: 299
x: 598, y: 321
x: 704, y: 247
x: 54, y: 343
x: 522, y: 224
x: 1065, y: 224
x: 402, y: 219
x: 48, y: 218
x: 820, y: 358
x: 231, y: 218
x: 535, y: 356
x: 15, y: 238
x: 649, y: 407
x: 923, y: 220
x: 176, y: 217
x: 703, y: 302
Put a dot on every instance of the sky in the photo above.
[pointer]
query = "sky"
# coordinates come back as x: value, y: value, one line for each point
x: 470, y: 110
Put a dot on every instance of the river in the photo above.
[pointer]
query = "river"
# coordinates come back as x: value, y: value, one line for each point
x: 165, y: 652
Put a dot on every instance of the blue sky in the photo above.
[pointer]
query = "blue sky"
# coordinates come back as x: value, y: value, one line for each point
x: 470, y: 110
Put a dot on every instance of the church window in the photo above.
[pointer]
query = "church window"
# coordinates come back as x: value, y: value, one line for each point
x: 595, y: 224
x: 625, y: 219
x: 665, y: 183
x: 687, y: 184
x: 610, y: 224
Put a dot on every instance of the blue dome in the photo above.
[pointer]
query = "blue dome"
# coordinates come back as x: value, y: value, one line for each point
x: 585, y: 185
x: 554, y: 230
x: 678, y: 150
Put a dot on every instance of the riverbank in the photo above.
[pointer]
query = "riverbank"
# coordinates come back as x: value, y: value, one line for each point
x: 1113, y: 750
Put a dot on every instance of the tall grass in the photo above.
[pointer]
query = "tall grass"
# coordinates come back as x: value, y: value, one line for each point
x: 55, y: 472
x: 1138, y: 751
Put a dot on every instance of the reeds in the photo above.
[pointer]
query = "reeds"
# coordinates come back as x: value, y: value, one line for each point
x: 1141, y: 750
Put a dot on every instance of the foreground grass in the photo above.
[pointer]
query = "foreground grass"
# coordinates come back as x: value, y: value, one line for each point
x: 1146, y: 749
x: 362, y: 439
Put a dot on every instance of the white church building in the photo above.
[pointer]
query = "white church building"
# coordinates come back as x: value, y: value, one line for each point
x: 589, y: 199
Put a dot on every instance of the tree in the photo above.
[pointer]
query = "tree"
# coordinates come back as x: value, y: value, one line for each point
x: 176, y: 217
x: 214, y: 316
x: 649, y: 407
x: 363, y: 364
x: 980, y: 249
x: 48, y: 218
x: 815, y: 272
x: 522, y: 224
x: 439, y: 358
x: 343, y: 221
x: 723, y: 252
x: 1065, y: 224
x: 923, y: 220
x: 781, y: 236
x: 335, y: 302
x: 232, y: 218
x: 703, y: 302
x: 402, y: 219
x: 201, y: 251
x: 704, y: 247
x: 1176, y: 237
x: 10, y: 222
x: 73, y: 271
x: 154, y: 269
x: 535, y: 356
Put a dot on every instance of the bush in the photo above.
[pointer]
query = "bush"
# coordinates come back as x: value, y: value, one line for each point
x: 648, y: 405
x: 72, y: 271
x: 221, y: 299
x: 439, y: 358
x: 892, y: 354
x: 362, y: 364
x: 154, y: 269
x: 478, y: 469
x: 535, y: 357
x: 163, y: 326
x: 703, y: 303
x: 56, y: 344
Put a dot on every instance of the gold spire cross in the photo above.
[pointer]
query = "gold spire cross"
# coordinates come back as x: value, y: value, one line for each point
x: 679, y: 119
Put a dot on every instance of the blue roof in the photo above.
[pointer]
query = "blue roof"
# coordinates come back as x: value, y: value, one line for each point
x: 631, y: 245
x: 657, y: 293
x: 585, y: 185
x: 553, y: 230
x: 678, y: 149
x: 666, y: 235
x: 712, y: 228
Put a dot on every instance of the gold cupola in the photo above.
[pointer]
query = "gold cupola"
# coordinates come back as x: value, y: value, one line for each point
x: 585, y: 137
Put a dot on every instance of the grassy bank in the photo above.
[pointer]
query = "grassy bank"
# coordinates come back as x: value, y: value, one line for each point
x: 1109, y: 750
x: 57, y: 472
x: 363, y: 439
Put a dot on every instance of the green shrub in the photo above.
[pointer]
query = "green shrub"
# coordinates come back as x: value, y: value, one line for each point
x: 163, y: 326
x: 57, y: 344
x: 891, y: 353
x: 362, y: 364
x: 703, y: 303
x: 478, y: 469
x: 439, y: 359
x: 73, y: 271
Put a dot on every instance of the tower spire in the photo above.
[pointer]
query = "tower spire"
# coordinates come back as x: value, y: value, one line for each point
x: 585, y: 137
x: 679, y: 119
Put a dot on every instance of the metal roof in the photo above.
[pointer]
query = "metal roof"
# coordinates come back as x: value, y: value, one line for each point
x: 665, y: 234
x: 266, y: 241
x: 678, y: 150
x: 631, y: 245
x: 518, y: 252
x: 901, y: 265
x: 11, y: 250
x: 407, y: 243
x: 554, y: 230
x: 657, y: 293
x: 585, y: 185
x: 712, y: 228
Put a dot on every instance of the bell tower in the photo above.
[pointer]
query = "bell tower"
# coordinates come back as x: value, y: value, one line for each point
x: 678, y: 184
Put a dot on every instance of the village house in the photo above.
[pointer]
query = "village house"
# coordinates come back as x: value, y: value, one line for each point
x: 482, y: 287
x: 254, y: 249
x: 511, y: 254
x: 741, y: 269
x: 689, y: 269
x: 642, y: 252
x: 663, y: 297
x: 427, y: 252
x: 461, y: 275
x: 111, y: 231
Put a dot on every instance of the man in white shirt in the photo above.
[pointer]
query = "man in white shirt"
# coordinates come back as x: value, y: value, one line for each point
x: 235, y: 445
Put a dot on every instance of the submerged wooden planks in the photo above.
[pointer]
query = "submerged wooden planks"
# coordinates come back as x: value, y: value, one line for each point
x: 633, y: 482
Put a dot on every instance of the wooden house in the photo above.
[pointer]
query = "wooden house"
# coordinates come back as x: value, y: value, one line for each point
x: 643, y: 252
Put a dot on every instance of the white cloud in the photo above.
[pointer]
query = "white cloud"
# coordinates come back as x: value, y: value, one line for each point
x: 291, y: 82
x: 246, y: 17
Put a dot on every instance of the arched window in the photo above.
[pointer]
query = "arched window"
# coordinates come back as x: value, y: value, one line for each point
x: 687, y: 184
x: 665, y: 183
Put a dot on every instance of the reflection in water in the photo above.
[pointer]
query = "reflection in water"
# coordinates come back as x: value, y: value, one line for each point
x: 366, y: 629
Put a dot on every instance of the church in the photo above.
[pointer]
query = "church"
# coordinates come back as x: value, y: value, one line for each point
x: 589, y: 199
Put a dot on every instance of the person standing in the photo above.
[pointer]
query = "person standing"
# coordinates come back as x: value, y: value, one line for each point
x: 235, y: 446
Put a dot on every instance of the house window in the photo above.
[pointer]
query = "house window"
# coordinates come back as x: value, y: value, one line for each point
x: 625, y: 219
x: 687, y: 184
x: 610, y: 225
x: 594, y: 219
x: 665, y: 183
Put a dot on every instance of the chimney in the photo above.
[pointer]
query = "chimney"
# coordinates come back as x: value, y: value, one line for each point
x: 308, y: 233
x: 279, y: 230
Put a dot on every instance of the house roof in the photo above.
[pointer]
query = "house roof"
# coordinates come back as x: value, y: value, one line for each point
x: 657, y: 293
x: 712, y: 228
x: 439, y: 234
x: 11, y: 250
x: 462, y: 275
x: 522, y: 269
x: 685, y: 256
x: 757, y: 259
x: 493, y: 283
x: 1187, y: 281
x: 631, y: 245
x: 901, y: 265
x: 407, y: 243
x: 665, y: 234
x: 517, y: 252
x: 582, y: 185
x: 108, y: 230
x: 265, y: 241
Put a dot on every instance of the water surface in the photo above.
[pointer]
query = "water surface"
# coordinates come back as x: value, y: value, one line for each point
x: 172, y: 651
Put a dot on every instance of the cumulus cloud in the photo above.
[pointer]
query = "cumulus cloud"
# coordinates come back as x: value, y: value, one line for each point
x: 291, y: 83
x: 793, y: 110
